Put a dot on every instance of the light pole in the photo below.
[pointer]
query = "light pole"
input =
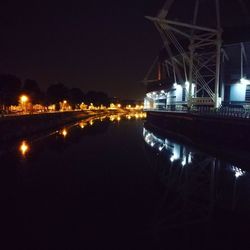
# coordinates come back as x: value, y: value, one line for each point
x: 23, y: 100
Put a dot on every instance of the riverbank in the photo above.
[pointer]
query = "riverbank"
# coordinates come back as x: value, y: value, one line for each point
x: 215, y: 130
x: 15, y: 127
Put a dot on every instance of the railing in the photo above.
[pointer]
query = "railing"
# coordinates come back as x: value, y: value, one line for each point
x: 209, y: 111
x: 225, y: 112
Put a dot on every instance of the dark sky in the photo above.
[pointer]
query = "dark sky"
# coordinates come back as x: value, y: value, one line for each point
x: 92, y: 44
x: 95, y: 45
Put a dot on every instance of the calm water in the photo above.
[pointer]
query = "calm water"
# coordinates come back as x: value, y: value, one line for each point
x: 116, y: 183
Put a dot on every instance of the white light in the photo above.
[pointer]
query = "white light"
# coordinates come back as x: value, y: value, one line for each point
x: 187, y: 84
x: 172, y: 159
x: 175, y: 85
x: 238, y: 172
x: 152, y: 144
x: 244, y: 81
x: 162, y: 92
x: 189, y: 158
x: 184, y: 161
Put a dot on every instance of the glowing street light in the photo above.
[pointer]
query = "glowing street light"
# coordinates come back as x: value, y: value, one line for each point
x: 24, y: 99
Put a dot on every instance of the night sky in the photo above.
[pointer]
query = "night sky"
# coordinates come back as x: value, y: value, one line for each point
x: 94, y: 45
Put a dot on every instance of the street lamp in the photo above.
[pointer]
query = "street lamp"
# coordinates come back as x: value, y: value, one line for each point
x: 23, y: 100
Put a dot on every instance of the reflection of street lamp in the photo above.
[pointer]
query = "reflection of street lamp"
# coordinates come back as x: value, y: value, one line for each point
x: 64, y: 132
x: 24, y: 148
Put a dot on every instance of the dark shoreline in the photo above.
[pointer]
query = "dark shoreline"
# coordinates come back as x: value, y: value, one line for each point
x: 19, y: 127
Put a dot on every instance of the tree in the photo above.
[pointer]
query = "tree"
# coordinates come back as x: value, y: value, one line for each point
x: 75, y: 96
x: 56, y: 93
x: 10, y: 87
x: 96, y: 97
x: 32, y: 89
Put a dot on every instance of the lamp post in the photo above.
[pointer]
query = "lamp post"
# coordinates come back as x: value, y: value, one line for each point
x: 23, y: 100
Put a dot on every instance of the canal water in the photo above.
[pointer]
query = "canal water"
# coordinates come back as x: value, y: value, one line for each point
x: 116, y: 182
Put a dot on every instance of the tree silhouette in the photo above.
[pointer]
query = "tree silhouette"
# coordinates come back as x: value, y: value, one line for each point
x: 10, y: 87
x: 96, y: 97
x: 32, y: 89
x: 75, y: 96
x: 57, y: 93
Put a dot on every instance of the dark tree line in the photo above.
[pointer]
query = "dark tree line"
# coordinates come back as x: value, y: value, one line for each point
x: 11, y: 87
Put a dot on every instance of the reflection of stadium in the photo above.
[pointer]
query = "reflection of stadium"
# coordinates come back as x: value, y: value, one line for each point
x: 195, y: 186
x: 204, y: 62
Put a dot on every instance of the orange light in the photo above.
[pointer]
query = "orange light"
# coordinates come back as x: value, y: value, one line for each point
x: 24, y: 148
x: 81, y: 125
x: 64, y: 132
x: 24, y: 98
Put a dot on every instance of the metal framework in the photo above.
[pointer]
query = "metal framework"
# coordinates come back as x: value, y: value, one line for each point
x: 198, y: 62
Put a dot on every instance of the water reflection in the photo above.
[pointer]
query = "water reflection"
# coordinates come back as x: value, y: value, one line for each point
x: 176, y: 152
x: 24, y: 148
x: 64, y: 132
x: 92, y: 125
x: 157, y: 191
x: 196, y: 186
x: 82, y: 125
x: 182, y: 153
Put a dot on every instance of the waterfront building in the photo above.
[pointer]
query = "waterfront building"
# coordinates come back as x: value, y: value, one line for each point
x: 203, y: 65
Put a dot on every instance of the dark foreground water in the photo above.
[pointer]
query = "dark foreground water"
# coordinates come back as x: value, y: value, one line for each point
x: 116, y: 183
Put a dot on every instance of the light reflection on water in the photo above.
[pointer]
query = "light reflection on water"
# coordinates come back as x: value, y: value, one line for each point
x: 114, y: 170
x: 198, y: 189
x: 24, y: 148
x: 25, y: 145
